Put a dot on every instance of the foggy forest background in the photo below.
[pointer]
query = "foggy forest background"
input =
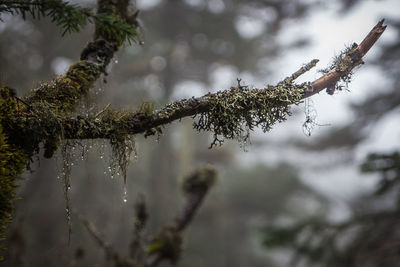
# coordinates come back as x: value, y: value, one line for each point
x: 192, y: 47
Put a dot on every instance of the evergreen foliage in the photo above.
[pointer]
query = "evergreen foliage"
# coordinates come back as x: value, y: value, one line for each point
x: 353, y: 242
x: 71, y: 18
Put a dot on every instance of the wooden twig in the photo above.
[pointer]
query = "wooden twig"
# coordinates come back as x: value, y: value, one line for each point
x: 333, y: 76
x: 300, y: 72
x: 110, y: 254
x: 195, y: 187
x: 136, y: 249
x: 102, y: 111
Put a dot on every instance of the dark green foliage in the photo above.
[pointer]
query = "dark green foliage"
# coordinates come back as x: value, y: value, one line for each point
x: 310, y: 238
x: 388, y: 165
x: 357, y: 241
x: 114, y: 28
x: 275, y: 235
x: 71, y: 18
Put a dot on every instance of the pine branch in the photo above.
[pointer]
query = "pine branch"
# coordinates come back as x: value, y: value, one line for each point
x: 72, y: 18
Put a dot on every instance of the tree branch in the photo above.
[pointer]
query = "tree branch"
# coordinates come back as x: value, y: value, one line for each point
x: 354, y: 59
x: 41, y: 116
x: 110, y: 254
x: 229, y: 114
x: 226, y: 113
x: 167, y: 244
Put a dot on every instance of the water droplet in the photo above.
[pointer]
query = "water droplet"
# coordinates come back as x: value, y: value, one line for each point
x: 125, y: 195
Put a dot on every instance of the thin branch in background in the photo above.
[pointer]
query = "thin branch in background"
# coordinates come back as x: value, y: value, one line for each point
x: 167, y: 244
x: 301, y: 71
x: 195, y: 187
x: 136, y: 247
x: 110, y: 254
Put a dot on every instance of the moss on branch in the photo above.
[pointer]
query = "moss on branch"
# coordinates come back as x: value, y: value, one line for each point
x: 46, y: 115
x: 39, y: 118
x: 12, y: 162
x: 63, y: 93
x: 228, y: 114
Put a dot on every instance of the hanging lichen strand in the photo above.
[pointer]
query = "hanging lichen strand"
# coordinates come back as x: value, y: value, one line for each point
x: 121, y: 149
x: 343, y: 63
x: 234, y: 112
x: 67, y: 163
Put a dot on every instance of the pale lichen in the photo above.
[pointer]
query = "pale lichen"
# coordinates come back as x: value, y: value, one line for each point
x: 122, y: 148
x: 344, y: 63
x: 233, y: 113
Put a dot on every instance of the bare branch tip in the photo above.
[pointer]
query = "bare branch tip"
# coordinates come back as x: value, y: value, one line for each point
x: 380, y: 27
